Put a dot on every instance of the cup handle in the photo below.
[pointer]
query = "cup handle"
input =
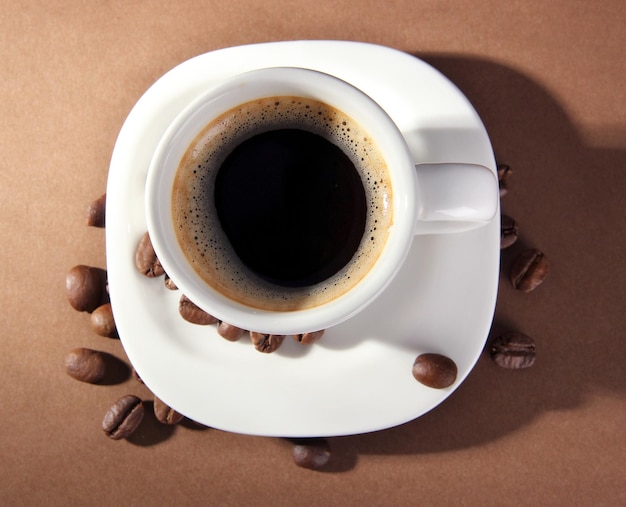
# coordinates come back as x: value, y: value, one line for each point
x: 455, y: 197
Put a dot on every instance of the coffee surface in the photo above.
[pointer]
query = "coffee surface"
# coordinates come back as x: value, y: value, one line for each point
x: 282, y: 203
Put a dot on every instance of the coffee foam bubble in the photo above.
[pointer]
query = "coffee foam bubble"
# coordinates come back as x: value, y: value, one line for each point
x: 198, y: 228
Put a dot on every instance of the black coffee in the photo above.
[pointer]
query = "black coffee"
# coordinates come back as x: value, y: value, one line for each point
x: 292, y: 205
x: 282, y: 203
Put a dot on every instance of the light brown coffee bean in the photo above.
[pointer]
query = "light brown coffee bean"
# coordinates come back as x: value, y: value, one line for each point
x: 96, y: 212
x: 86, y: 365
x: 102, y: 321
x: 513, y: 350
x: 230, y: 332
x: 509, y: 231
x: 166, y: 414
x: 86, y: 287
x: 308, y: 338
x: 266, y: 343
x: 529, y: 270
x: 123, y: 418
x: 146, y: 258
x: 434, y: 370
x: 169, y: 283
x: 312, y: 453
x: 504, y: 172
x: 193, y: 313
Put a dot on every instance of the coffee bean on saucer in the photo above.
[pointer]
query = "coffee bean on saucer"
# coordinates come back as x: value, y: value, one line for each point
x: 86, y: 365
x: 266, y: 343
x: 169, y: 283
x: 513, y: 350
x: 96, y: 212
x: 146, y: 259
x: 508, y: 231
x: 230, y: 332
x: 434, y: 370
x: 193, y: 313
x: 102, y: 321
x: 504, y: 171
x: 166, y: 414
x: 312, y: 453
x: 86, y: 287
x: 529, y: 270
x: 123, y: 418
x: 308, y: 338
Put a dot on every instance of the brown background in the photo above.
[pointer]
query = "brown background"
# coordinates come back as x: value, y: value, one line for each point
x: 548, y: 80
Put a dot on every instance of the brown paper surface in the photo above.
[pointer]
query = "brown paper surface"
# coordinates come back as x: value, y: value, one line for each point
x: 547, y: 79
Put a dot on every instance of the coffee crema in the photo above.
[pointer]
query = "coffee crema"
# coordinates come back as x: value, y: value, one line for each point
x: 282, y: 203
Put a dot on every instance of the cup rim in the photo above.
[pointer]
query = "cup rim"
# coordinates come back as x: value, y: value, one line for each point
x: 262, y: 83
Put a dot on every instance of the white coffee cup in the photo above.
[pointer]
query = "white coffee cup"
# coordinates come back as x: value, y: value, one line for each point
x: 427, y: 198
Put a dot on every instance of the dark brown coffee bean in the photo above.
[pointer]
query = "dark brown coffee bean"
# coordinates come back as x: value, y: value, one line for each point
x: 504, y: 171
x: 508, y: 231
x: 513, y: 350
x: 146, y: 259
x: 123, y: 418
x: 96, y: 212
x: 86, y: 287
x: 102, y: 321
x: 193, y: 313
x: 434, y: 370
x: 529, y: 270
x: 266, y: 343
x: 230, y: 332
x: 169, y: 283
x: 86, y: 365
x: 166, y: 414
x: 312, y: 453
x: 308, y: 338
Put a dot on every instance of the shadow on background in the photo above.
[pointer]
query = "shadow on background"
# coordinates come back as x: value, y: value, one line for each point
x: 573, y: 204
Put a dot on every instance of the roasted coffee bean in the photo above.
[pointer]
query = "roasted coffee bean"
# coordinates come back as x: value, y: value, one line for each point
x: 123, y: 418
x: 504, y: 171
x: 166, y: 414
x: 146, y: 259
x: 102, y: 321
x: 508, y: 231
x: 312, y: 453
x: 86, y: 365
x: 193, y: 313
x: 136, y: 376
x: 230, y: 332
x: 529, y: 270
x: 308, y: 338
x: 169, y: 283
x: 266, y: 343
x: 86, y: 287
x: 435, y: 370
x: 96, y: 212
x: 513, y: 350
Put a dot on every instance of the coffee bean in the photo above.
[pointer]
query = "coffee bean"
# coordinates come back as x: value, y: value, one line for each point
x: 266, y: 343
x: 86, y: 365
x: 96, y: 212
x: 146, y: 259
x: 230, y: 332
x: 166, y: 414
x: 513, y: 350
x: 308, y: 338
x: 529, y: 270
x: 312, y: 453
x: 434, y: 370
x: 508, y: 231
x: 193, y: 313
x: 504, y: 171
x: 86, y: 287
x: 102, y: 321
x: 123, y: 418
x: 169, y: 283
